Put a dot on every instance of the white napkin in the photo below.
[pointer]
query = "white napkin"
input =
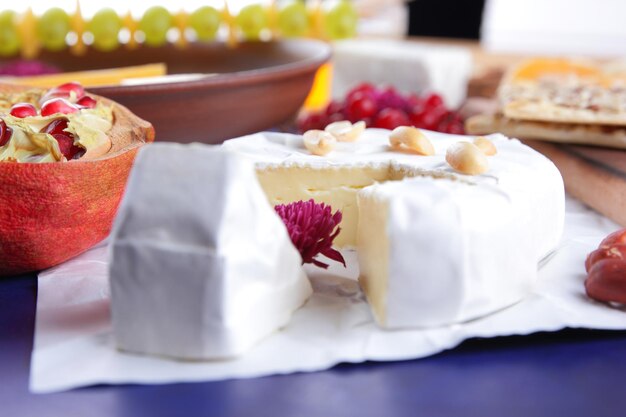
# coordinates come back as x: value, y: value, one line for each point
x: 74, y: 345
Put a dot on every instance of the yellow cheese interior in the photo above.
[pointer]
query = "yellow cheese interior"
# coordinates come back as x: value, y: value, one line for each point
x: 373, y: 249
x: 336, y: 187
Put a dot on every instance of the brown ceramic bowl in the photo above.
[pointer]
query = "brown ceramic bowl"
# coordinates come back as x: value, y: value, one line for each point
x: 256, y: 86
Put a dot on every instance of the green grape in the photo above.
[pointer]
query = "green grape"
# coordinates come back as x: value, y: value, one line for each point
x: 52, y: 28
x: 293, y: 19
x: 205, y: 21
x: 9, y: 39
x: 105, y: 27
x: 341, y: 20
x: 251, y: 20
x: 155, y: 23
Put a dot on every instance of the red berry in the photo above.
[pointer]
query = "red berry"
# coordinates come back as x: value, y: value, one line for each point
x: 456, y: 129
x: 391, y: 118
x: 452, y: 123
x: 336, y: 117
x: 360, y: 106
x: 5, y: 133
x: 413, y: 101
x: 22, y: 110
x: 390, y: 98
x: 313, y: 121
x: 416, y: 114
x: 433, y: 100
x: 431, y: 118
x: 57, y: 105
x: 364, y: 89
x: 87, y: 102
x: 334, y: 107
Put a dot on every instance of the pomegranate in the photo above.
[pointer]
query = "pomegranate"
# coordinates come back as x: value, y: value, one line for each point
x: 50, y: 212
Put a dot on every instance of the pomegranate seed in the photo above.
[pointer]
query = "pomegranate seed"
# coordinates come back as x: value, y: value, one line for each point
x: 433, y: 100
x: 362, y: 89
x: 414, y: 101
x: 64, y: 90
x: 431, y: 118
x: 391, y: 118
x: 417, y: 112
x: 5, y: 133
x: 336, y: 117
x: 57, y: 105
x: 360, y: 106
x: 87, y: 102
x: 66, y: 145
x: 22, y: 110
x: 390, y: 98
x: 313, y: 121
x: 56, y: 127
x: 369, y: 122
x: 456, y: 129
x: 334, y: 107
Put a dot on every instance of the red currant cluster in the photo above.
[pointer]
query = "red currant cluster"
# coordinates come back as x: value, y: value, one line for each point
x: 387, y: 109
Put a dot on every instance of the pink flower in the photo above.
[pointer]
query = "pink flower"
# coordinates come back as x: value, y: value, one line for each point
x: 312, y: 228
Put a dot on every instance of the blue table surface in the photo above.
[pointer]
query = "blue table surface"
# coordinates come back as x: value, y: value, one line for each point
x: 568, y: 373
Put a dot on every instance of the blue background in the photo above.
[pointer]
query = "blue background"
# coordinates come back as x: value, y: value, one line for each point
x: 568, y: 373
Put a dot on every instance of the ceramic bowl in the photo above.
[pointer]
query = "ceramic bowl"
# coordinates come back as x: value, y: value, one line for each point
x: 233, y: 91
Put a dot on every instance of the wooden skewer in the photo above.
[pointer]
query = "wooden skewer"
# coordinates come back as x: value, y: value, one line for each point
x: 78, y: 26
x: 27, y: 29
x: 232, y: 40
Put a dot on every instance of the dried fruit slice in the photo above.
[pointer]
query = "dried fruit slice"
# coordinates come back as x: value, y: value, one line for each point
x: 54, y: 211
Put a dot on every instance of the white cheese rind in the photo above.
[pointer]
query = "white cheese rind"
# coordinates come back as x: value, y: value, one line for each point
x: 475, y: 239
x: 202, y: 267
x: 537, y: 182
x: 451, y: 257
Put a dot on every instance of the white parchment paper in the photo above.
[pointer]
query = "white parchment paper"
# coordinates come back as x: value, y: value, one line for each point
x: 74, y: 345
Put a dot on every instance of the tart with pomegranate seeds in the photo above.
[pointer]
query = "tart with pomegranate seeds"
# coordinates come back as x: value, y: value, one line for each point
x: 65, y: 156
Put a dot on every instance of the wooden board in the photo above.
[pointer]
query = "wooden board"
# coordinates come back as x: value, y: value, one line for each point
x: 596, y: 176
